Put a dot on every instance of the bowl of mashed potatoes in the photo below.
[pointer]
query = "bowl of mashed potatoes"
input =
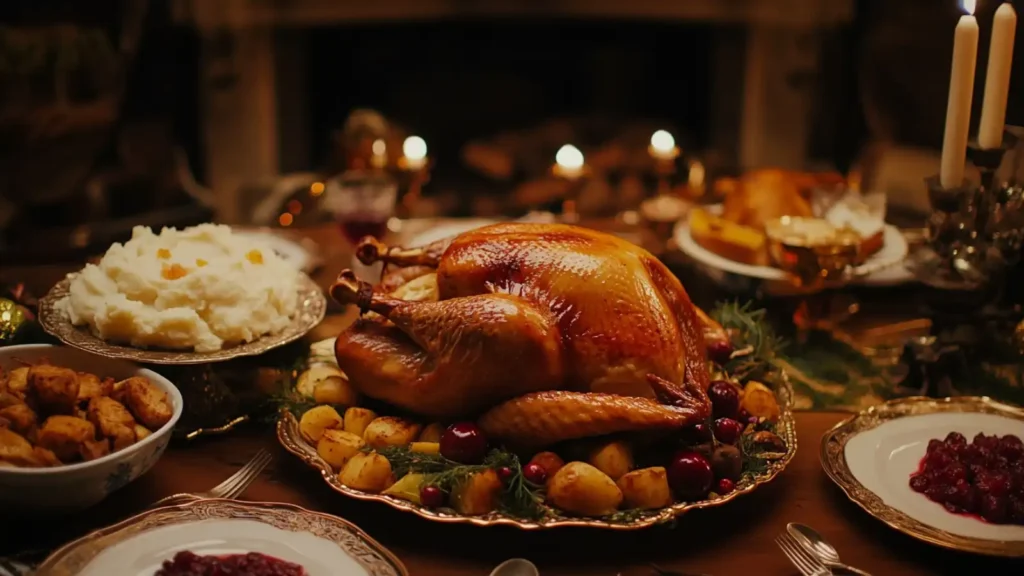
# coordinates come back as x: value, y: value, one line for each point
x: 199, y: 294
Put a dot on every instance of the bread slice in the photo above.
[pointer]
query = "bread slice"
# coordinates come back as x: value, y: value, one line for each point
x: 727, y: 239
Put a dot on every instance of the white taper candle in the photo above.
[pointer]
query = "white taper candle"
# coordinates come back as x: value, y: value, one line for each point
x: 961, y: 91
x: 997, y: 79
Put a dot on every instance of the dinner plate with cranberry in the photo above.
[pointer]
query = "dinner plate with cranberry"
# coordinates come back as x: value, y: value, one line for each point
x: 947, y: 471
x: 212, y: 537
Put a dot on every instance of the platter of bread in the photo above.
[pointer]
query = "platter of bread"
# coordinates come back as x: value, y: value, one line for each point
x: 769, y: 216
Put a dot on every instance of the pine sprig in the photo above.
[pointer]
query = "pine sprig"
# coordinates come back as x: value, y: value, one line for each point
x: 749, y: 330
x: 754, y: 461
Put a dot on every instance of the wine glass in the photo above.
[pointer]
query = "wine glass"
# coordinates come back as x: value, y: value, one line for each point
x: 362, y: 202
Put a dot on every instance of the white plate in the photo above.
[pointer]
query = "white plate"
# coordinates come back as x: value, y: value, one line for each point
x: 322, y: 544
x: 883, y: 458
x: 447, y: 229
x: 301, y: 255
x: 888, y: 260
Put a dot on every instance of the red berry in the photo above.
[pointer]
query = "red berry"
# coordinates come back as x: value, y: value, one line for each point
x: 918, y: 483
x: 934, y: 444
x: 464, y: 442
x: 431, y: 496
x: 504, y: 473
x: 993, y: 508
x: 535, y: 474
x: 725, y: 486
x: 690, y: 475
x: 727, y: 430
x: 696, y: 434
x: 1011, y: 447
x: 725, y: 399
x: 955, y: 439
x: 719, y: 351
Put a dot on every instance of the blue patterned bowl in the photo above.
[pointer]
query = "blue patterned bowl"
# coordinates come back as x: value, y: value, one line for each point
x: 78, y: 486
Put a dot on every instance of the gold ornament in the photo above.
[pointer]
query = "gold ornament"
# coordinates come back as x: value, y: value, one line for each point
x: 11, y: 319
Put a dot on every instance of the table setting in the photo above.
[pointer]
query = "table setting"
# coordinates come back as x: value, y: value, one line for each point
x: 676, y: 383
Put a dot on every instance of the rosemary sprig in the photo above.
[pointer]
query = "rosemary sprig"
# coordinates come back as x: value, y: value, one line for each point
x: 748, y: 329
x: 754, y: 462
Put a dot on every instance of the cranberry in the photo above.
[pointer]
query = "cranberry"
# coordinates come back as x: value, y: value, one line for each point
x: 690, y: 475
x: 934, y: 444
x: 727, y: 430
x: 464, y: 442
x: 955, y: 439
x: 725, y: 399
x: 504, y: 473
x: 935, y: 493
x: 535, y: 474
x: 719, y: 351
x: 939, y: 458
x: 918, y: 483
x: 993, y: 508
x: 953, y: 473
x: 696, y: 434
x: 431, y: 497
x: 744, y: 417
x: 1015, y: 507
x: 725, y: 486
x: 999, y: 484
x: 961, y: 495
x: 983, y: 441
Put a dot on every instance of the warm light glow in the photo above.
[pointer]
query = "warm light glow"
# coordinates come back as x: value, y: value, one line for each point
x: 295, y: 207
x: 696, y: 177
x: 968, y: 6
x: 414, y: 148
x: 285, y: 219
x: 569, y: 157
x: 379, y: 147
x: 662, y: 141
x: 316, y: 188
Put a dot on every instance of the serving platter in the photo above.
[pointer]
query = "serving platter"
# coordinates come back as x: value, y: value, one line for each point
x: 322, y: 544
x: 871, y: 456
x: 311, y: 310
x: 291, y: 439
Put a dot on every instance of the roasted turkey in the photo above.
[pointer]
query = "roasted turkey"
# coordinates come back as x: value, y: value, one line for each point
x: 549, y: 331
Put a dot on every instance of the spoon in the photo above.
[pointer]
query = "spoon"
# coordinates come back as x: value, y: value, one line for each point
x: 818, y: 546
x: 516, y: 567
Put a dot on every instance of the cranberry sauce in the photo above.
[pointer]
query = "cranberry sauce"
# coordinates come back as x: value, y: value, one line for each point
x: 252, y: 564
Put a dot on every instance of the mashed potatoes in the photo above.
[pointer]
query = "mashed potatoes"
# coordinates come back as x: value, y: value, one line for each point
x: 199, y: 288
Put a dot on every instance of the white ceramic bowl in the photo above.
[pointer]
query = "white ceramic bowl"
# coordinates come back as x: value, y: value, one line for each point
x: 78, y: 486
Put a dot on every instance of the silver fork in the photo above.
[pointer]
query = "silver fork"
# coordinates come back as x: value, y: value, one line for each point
x: 229, y: 489
x: 807, y: 564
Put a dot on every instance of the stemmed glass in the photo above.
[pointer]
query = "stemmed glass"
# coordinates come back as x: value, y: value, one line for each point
x: 362, y: 202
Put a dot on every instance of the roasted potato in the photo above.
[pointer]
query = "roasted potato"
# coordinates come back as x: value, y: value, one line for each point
x: 390, y: 431
x: 336, y: 391
x: 93, y: 449
x: 22, y: 419
x: 367, y: 471
x: 17, y: 381
x: 64, y: 435
x: 549, y: 461
x: 614, y: 459
x: 759, y: 400
x: 478, y: 494
x: 44, y: 458
x: 407, y: 487
x: 315, y: 420
x: 113, y: 421
x: 14, y: 448
x: 90, y: 386
x: 425, y: 447
x: 141, y: 432
x: 432, y: 432
x: 357, y: 419
x: 10, y: 399
x: 646, y: 488
x: 337, y: 446
x: 150, y: 405
x: 54, y: 389
x: 579, y: 488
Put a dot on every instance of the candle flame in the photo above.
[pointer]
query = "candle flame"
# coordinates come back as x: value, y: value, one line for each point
x: 969, y: 6
x: 662, y: 141
x: 414, y: 148
x: 379, y: 147
x: 570, y: 157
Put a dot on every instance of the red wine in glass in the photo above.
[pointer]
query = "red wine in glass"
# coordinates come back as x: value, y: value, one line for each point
x: 356, y: 227
x: 362, y: 203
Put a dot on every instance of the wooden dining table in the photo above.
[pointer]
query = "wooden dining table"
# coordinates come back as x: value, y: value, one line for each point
x: 734, y: 539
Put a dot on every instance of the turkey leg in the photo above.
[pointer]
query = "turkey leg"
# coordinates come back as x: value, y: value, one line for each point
x: 449, y: 358
x: 370, y: 251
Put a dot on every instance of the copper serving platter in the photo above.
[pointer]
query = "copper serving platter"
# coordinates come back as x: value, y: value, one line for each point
x: 833, y: 460
x: 289, y: 436
x: 311, y: 310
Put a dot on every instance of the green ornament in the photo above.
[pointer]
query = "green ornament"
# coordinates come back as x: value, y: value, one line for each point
x: 11, y: 320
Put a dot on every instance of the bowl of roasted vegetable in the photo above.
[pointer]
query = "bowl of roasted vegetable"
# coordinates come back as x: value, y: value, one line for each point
x: 76, y: 427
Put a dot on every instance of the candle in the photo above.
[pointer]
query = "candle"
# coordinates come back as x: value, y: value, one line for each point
x: 379, y: 159
x: 663, y: 146
x: 415, y: 151
x: 997, y: 79
x: 569, y: 162
x: 961, y: 90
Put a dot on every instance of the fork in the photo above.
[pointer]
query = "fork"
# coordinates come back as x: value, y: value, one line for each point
x: 229, y: 489
x: 807, y: 564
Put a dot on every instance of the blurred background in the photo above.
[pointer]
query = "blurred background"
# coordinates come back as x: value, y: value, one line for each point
x: 173, y: 112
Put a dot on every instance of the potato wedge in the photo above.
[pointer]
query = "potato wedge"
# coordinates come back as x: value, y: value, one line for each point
x: 148, y: 403
x: 64, y: 436
x: 759, y: 400
x: 315, y: 420
x: 580, y: 488
x: 14, y: 448
x: 549, y: 461
x: 357, y: 419
x: 54, y: 389
x: 614, y: 459
x: 390, y: 431
x: 407, y: 487
x: 337, y: 447
x: 425, y: 447
x: 432, y: 432
x: 141, y: 432
x: 21, y: 417
x: 367, y: 471
x: 646, y: 489
x: 478, y: 494
x: 307, y: 381
x: 17, y: 381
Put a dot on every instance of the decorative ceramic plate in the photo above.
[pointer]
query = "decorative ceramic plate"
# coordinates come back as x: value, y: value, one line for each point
x: 872, y: 455
x: 323, y: 545
x: 300, y: 252
x: 311, y: 310
x: 885, y: 265
x: 290, y: 437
